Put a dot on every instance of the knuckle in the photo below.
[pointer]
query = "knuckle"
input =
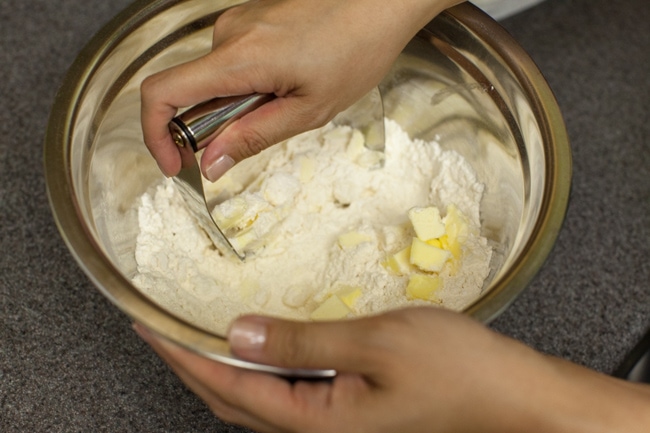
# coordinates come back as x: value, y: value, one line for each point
x: 252, y: 143
x: 229, y: 16
x: 313, y: 115
x: 150, y: 90
x: 288, y: 343
x: 383, y: 339
x: 223, y: 22
x: 316, y: 118
x: 149, y: 85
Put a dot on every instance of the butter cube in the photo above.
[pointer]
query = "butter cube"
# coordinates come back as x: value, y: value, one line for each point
x: 457, y: 230
x: 332, y: 309
x: 352, y: 239
x: 295, y: 297
x: 456, y: 225
x: 356, y: 145
x: 243, y: 239
x: 371, y: 159
x: 349, y: 295
x: 337, y: 136
x: 400, y: 262
x: 428, y: 257
x: 307, y: 169
x: 427, y: 222
x: 231, y: 213
x: 424, y: 287
x: 248, y: 287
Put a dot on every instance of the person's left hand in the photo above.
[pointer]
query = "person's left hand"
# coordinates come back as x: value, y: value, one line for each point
x: 417, y: 370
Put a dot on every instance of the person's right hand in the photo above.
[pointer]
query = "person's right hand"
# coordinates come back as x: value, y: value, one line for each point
x: 419, y: 370
x: 317, y: 56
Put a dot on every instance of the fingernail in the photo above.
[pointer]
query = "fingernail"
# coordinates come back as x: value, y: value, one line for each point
x: 248, y: 334
x: 219, y: 167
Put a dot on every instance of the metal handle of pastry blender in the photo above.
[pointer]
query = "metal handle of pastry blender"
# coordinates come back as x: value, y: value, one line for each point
x: 192, y: 131
x: 199, y: 125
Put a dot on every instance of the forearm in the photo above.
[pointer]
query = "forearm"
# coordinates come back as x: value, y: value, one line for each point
x: 407, y: 17
x: 550, y: 395
x: 588, y: 401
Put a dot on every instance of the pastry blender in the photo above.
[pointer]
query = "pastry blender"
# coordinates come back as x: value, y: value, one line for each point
x: 195, y: 128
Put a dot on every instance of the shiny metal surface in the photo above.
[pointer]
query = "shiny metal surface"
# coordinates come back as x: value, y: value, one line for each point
x: 189, y: 183
x: 462, y: 80
x: 199, y: 125
x: 193, y: 130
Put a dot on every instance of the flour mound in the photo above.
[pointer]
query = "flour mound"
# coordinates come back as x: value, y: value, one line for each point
x: 311, y: 190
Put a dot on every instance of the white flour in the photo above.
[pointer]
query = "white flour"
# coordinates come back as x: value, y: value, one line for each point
x: 316, y: 187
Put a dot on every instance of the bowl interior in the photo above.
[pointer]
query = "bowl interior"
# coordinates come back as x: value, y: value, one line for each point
x: 462, y: 81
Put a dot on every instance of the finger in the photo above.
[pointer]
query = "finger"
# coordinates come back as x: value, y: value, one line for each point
x: 355, y: 346
x: 273, y: 122
x: 258, y: 400
x: 185, y: 85
x: 155, y: 115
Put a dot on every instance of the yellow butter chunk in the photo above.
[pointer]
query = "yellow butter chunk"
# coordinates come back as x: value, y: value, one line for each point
x: 422, y: 286
x: 371, y: 159
x: 400, y: 262
x: 248, y: 287
x: 457, y: 230
x: 243, y: 238
x: 436, y: 242
x: 332, y: 309
x: 427, y: 222
x: 307, y: 169
x: 350, y: 295
x: 428, y: 257
x: 352, y: 239
x: 356, y: 145
x: 231, y: 214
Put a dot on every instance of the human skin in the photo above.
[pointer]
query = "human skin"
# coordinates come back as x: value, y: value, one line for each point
x: 316, y: 56
x: 414, y: 370
x: 417, y: 370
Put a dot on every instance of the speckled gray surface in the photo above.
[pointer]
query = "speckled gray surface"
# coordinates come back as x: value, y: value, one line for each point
x: 68, y: 359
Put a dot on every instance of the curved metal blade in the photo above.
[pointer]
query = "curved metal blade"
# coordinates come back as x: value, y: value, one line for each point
x: 190, y: 184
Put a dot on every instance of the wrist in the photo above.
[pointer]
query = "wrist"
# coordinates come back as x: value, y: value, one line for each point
x: 589, y: 401
x: 403, y: 19
x: 550, y: 395
x: 420, y: 12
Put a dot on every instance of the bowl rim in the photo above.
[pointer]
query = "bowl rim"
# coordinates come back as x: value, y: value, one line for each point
x: 120, y: 291
x: 558, y: 172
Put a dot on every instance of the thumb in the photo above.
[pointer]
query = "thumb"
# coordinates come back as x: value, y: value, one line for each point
x: 271, y: 123
x: 340, y: 345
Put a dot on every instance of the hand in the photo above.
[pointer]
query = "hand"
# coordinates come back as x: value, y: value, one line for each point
x: 408, y: 371
x: 317, y: 56
x: 415, y: 370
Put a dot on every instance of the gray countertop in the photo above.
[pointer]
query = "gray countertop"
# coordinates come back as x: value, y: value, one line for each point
x: 69, y: 360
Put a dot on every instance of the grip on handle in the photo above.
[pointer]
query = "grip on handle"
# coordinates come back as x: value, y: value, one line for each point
x: 199, y: 125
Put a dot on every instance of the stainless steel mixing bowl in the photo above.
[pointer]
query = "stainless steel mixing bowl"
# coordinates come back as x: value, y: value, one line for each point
x: 462, y: 80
